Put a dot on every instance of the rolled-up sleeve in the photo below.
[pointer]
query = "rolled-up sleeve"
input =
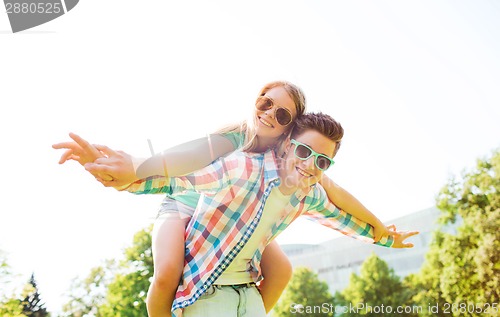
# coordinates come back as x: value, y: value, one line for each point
x: 323, y: 212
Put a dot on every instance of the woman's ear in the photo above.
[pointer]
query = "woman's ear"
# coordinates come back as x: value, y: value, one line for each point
x: 285, y: 147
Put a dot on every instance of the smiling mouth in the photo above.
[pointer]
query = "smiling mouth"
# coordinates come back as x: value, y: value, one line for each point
x: 302, y: 172
x: 266, y: 123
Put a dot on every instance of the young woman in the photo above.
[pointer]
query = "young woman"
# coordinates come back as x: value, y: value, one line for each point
x: 277, y: 106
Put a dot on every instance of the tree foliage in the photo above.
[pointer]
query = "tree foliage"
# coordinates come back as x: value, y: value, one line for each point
x: 88, y: 294
x: 4, y: 268
x: 305, y: 295
x: 32, y: 302
x: 116, y: 289
x: 10, y: 305
x: 126, y: 296
x: 376, y: 291
x: 462, y: 270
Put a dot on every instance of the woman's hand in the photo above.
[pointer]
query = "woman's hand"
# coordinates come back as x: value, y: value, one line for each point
x: 111, y: 168
x: 116, y: 164
x: 79, y: 150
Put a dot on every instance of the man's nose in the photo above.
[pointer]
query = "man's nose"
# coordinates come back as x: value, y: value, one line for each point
x: 309, y: 163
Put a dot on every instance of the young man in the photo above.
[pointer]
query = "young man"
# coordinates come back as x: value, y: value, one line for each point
x: 248, y: 200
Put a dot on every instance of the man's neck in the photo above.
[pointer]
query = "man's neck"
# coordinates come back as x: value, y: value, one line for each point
x: 287, y: 191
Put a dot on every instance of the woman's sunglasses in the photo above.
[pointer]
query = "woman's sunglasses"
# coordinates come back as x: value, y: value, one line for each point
x: 304, y: 152
x: 282, y: 115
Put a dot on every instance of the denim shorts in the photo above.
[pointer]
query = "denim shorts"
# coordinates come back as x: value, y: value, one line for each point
x: 228, y: 301
x: 173, y: 208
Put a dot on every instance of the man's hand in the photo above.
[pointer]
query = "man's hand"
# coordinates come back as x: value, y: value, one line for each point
x: 381, y: 231
x: 400, y: 237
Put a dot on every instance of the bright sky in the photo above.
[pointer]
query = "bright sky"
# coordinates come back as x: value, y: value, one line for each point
x: 414, y: 83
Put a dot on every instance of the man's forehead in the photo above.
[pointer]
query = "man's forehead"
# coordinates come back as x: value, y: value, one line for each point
x: 317, y: 141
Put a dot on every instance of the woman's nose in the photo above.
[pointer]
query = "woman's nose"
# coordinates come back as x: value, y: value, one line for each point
x: 270, y: 112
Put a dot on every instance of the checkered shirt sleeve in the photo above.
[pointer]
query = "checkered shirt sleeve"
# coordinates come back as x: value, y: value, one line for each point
x: 322, y: 211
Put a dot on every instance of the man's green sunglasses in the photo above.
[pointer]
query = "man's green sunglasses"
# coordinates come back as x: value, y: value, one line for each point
x: 304, y: 152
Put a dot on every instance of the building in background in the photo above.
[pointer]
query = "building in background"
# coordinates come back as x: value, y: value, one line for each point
x: 336, y: 259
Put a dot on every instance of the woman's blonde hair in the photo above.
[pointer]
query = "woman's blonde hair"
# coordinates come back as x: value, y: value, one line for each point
x: 248, y: 127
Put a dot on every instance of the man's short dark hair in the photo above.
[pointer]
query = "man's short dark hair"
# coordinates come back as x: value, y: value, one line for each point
x: 322, y: 123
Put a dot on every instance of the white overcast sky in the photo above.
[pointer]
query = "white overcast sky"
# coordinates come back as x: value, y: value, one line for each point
x: 414, y: 83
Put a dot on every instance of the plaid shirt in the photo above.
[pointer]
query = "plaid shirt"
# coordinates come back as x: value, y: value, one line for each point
x: 235, y: 189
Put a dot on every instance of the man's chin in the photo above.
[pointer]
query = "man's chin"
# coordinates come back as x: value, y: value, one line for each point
x: 306, y: 183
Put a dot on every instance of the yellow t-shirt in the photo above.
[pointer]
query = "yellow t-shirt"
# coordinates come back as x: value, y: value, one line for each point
x: 237, y: 271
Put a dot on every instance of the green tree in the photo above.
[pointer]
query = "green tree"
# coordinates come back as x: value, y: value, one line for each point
x: 376, y: 291
x: 118, y: 288
x: 10, y: 306
x: 32, y: 302
x: 305, y: 295
x: 88, y: 294
x: 126, y: 293
x: 462, y: 270
x: 425, y: 285
x: 4, y: 267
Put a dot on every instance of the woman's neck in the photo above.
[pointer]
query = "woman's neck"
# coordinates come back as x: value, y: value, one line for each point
x: 264, y: 144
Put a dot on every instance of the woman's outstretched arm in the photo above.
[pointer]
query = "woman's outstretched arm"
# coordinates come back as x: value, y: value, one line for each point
x: 118, y: 168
